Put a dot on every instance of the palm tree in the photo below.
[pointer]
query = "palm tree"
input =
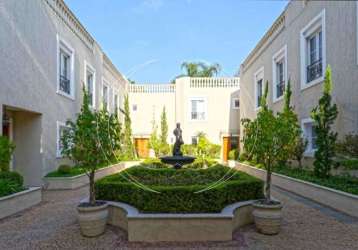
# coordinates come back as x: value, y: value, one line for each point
x: 199, y: 69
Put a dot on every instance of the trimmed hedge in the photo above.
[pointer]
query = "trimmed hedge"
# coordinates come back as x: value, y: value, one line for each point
x: 177, y: 189
x: 10, y: 182
x: 154, y: 163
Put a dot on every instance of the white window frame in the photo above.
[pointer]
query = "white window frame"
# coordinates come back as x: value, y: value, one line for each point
x: 58, y: 126
x: 105, y: 83
x: 205, y: 108
x: 62, y: 44
x: 115, y: 92
x: 308, y: 136
x: 89, y: 67
x: 258, y: 75
x: 280, y: 55
x: 233, y: 101
x: 318, y: 22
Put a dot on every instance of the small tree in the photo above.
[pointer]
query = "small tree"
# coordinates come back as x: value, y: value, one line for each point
x: 154, y: 141
x: 299, y: 148
x: 324, y: 116
x: 289, y: 120
x: 129, y: 151
x: 83, y: 143
x: 164, y: 146
x: 6, y: 150
x: 266, y: 140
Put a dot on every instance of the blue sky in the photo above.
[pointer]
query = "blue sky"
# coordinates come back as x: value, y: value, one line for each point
x: 149, y: 39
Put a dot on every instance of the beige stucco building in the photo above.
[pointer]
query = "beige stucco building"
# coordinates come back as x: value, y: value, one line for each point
x: 209, y: 105
x: 304, y: 39
x: 46, y: 57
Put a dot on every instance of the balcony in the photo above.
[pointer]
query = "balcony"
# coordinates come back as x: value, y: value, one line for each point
x: 65, y: 85
x: 314, y: 70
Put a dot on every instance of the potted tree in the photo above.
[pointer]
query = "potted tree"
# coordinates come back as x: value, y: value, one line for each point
x: 270, y: 137
x: 84, y: 142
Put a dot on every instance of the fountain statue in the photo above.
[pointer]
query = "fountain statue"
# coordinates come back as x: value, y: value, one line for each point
x: 178, y: 159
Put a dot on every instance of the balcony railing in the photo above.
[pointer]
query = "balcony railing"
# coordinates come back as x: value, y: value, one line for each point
x: 280, y: 88
x: 314, y: 70
x: 65, y: 84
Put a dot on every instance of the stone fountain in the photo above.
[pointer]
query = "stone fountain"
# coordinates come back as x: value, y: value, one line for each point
x: 177, y: 160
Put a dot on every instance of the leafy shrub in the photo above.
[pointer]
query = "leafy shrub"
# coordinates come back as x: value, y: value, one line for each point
x: 153, y: 163
x: 64, y: 169
x: 349, y: 146
x: 14, y: 177
x: 8, y: 187
x: 234, y: 154
x: 6, y: 150
x: 178, y: 189
x: 189, y: 149
x: 201, y: 163
x: 348, y: 163
x: 243, y: 156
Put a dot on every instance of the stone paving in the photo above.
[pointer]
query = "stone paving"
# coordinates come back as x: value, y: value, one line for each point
x: 52, y: 225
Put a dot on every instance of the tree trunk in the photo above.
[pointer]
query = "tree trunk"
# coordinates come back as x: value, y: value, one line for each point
x: 92, y: 198
x: 268, y: 182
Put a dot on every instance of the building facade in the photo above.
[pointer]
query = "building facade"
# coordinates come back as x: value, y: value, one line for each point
x: 46, y: 58
x: 305, y: 38
x: 209, y: 105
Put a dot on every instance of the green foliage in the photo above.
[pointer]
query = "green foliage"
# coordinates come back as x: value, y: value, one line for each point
x: 234, y: 154
x: 348, y: 146
x: 6, y: 150
x: 13, y: 177
x: 243, y: 156
x: 200, y: 69
x: 177, y: 189
x: 153, y: 163
x: 159, y: 143
x: 189, y: 149
x: 299, y: 147
x: 348, y: 164
x: 201, y: 163
x: 10, y: 182
x: 268, y: 138
x: 64, y: 169
x: 344, y: 183
x: 91, y: 140
x: 128, y: 147
x: 163, y: 127
x: 324, y: 116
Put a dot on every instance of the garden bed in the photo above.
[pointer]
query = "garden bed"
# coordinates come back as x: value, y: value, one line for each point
x: 55, y: 182
x: 19, y: 201
x: 302, y: 183
x: 169, y: 190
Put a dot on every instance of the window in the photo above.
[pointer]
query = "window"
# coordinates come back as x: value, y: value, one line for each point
x: 105, y: 95
x: 198, y: 109
x: 258, y: 81
x: 65, y: 78
x: 234, y: 142
x: 310, y: 135
x: 90, y: 84
x: 313, y: 54
x: 61, y: 127
x: 115, y: 102
x: 134, y: 107
x: 194, y: 140
x: 279, y: 66
x: 235, y: 103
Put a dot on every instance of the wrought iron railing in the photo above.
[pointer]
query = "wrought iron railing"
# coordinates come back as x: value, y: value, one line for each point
x: 314, y: 70
x: 65, y: 84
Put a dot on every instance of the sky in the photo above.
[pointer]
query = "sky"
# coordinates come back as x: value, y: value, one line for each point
x: 148, y: 40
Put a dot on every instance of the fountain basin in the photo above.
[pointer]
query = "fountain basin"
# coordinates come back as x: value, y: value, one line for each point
x: 177, y: 161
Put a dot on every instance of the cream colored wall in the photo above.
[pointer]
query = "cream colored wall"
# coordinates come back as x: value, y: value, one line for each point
x: 221, y: 117
x: 341, y: 54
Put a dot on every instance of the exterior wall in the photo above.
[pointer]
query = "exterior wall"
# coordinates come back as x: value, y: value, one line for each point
x: 28, y: 77
x: 341, y: 55
x: 221, y: 118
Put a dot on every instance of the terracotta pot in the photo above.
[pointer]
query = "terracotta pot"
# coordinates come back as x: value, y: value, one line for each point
x: 93, y: 219
x: 267, y: 217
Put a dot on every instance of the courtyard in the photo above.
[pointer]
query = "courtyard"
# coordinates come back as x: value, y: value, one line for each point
x: 53, y: 225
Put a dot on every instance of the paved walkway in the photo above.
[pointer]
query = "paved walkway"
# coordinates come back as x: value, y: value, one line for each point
x: 52, y: 225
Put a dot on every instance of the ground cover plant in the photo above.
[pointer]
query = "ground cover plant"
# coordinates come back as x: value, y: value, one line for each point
x: 10, y: 182
x: 178, y: 191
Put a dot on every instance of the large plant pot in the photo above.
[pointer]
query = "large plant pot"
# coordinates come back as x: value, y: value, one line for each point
x: 267, y: 217
x: 92, y: 219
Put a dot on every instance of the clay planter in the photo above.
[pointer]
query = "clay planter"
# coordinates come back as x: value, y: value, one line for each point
x: 267, y: 217
x: 92, y: 219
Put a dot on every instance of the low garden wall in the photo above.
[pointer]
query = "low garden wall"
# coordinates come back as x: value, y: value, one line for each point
x: 338, y: 200
x: 150, y: 227
x: 17, y: 202
x: 73, y: 182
